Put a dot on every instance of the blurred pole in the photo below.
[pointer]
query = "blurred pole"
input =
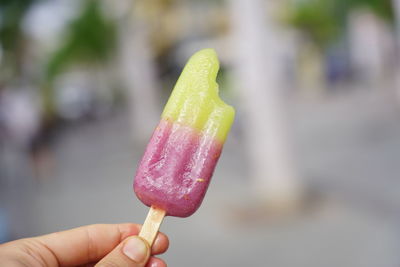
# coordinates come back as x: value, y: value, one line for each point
x: 368, y: 41
x: 258, y: 66
x: 396, y: 6
x: 139, y: 75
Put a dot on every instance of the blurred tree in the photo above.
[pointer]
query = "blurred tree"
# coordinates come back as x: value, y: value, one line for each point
x: 316, y: 19
x: 90, y: 40
x: 325, y: 25
x: 12, y: 39
x: 382, y: 8
x: 324, y: 20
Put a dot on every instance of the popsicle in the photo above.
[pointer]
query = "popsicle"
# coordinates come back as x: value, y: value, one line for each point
x: 177, y: 165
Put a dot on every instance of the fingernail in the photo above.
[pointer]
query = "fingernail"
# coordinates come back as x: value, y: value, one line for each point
x: 135, y: 249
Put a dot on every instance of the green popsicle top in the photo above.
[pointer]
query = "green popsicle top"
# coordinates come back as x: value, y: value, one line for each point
x: 195, y: 101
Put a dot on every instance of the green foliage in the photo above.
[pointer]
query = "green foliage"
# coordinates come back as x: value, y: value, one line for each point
x: 12, y: 13
x: 90, y: 39
x: 325, y: 20
x: 316, y: 19
x: 382, y: 8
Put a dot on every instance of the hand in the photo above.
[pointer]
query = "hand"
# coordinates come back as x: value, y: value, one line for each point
x: 100, y: 245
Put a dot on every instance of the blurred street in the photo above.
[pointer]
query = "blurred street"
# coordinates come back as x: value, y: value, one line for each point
x: 309, y: 175
x: 354, y: 223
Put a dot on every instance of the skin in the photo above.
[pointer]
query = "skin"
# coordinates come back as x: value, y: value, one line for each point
x: 92, y: 245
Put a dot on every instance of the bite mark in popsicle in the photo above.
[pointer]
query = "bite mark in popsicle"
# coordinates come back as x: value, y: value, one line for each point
x: 179, y: 160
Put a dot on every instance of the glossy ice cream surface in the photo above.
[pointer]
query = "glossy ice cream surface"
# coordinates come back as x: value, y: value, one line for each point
x: 180, y: 158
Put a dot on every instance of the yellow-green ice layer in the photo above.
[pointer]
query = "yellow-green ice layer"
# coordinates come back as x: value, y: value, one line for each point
x: 195, y: 101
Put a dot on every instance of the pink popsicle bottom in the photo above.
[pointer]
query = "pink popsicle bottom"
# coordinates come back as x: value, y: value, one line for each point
x: 176, y: 168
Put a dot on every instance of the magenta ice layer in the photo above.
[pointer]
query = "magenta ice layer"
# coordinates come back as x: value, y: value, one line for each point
x: 176, y: 168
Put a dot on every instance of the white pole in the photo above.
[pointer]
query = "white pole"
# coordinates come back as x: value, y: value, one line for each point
x: 139, y: 74
x: 258, y: 68
x: 396, y: 6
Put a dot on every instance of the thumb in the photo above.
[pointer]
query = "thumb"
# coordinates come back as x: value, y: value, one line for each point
x: 132, y: 252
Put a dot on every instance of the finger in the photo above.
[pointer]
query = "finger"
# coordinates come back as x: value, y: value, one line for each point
x: 160, y: 245
x: 88, y: 243
x: 156, y: 262
x: 91, y: 243
x: 133, y: 252
x: 153, y: 262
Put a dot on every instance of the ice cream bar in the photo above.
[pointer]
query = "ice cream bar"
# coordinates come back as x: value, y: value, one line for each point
x: 176, y: 168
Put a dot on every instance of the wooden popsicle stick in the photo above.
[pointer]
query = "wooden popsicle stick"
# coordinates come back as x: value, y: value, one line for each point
x: 152, y: 224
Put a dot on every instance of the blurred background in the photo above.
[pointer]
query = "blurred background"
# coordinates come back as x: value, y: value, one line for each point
x: 310, y: 174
